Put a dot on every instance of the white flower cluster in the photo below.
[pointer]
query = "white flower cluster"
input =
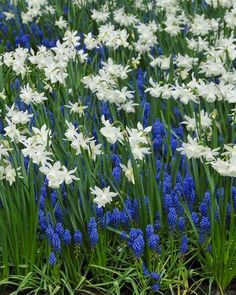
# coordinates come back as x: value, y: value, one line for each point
x: 136, y: 137
x: 105, y: 85
x: 79, y: 141
x: 7, y: 170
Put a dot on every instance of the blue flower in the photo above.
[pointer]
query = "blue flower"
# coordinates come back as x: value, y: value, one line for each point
x: 56, y: 243
x: 195, y: 218
x: 42, y: 220
x: 205, y: 223
x: 115, y: 159
x: 172, y: 218
x: 153, y: 242
x: 78, y: 237
x: 117, y: 172
x: 49, y: 233
x: 59, y: 229
x: 181, y: 223
x: 115, y: 217
x: 155, y: 276
x: 93, y: 232
x: 149, y: 230
x: 136, y: 242
x: 167, y: 202
x: 123, y: 235
x: 138, y: 246
x: 145, y: 270
x: 52, y: 259
x: 58, y: 213
x: 184, y: 244
x: 67, y: 237
x: 203, y: 208
x: 155, y: 287
x: 158, y: 129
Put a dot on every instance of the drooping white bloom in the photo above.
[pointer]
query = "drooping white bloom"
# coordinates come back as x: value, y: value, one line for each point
x: 112, y: 133
x: 12, y: 132
x: 94, y: 149
x: 129, y: 173
x: 8, y: 172
x: 4, y: 150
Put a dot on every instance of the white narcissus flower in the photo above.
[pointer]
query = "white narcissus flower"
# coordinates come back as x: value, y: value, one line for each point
x: 192, y: 149
x: 9, y: 173
x: 37, y: 153
x: 29, y: 96
x: 76, y: 107
x: 18, y: 117
x: 222, y: 167
x: 9, y: 15
x: 12, y: 132
x: 103, y: 196
x: 202, y: 119
x: 68, y: 175
x: 94, y: 149
x: 100, y: 16
x: 57, y: 174
x: 3, y: 95
x: 71, y: 37
x: 138, y: 140
x: 129, y: 173
x: 61, y: 23
x: 4, y: 151
x: 53, y: 173
x: 80, y: 141
x: 71, y: 131
x: 128, y: 107
x: 111, y: 133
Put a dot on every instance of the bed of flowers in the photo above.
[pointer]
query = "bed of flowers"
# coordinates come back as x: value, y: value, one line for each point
x: 117, y: 146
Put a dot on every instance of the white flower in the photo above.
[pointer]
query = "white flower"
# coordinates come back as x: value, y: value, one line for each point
x: 94, y: 149
x: 9, y: 15
x: 80, y: 141
x: 76, y: 108
x: 192, y: 149
x: 3, y: 95
x: 221, y: 167
x: 111, y: 133
x: 12, y: 132
x: 128, y: 107
x: 129, y: 173
x: 72, y: 38
x: 37, y: 153
x: 103, y: 196
x: 198, y: 120
x: 61, y: 23
x: 57, y: 174
x: 10, y: 173
x: 138, y: 141
x: 4, y: 151
x: 18, y: 117
x: 53, y: 173
x: 68, y: 175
